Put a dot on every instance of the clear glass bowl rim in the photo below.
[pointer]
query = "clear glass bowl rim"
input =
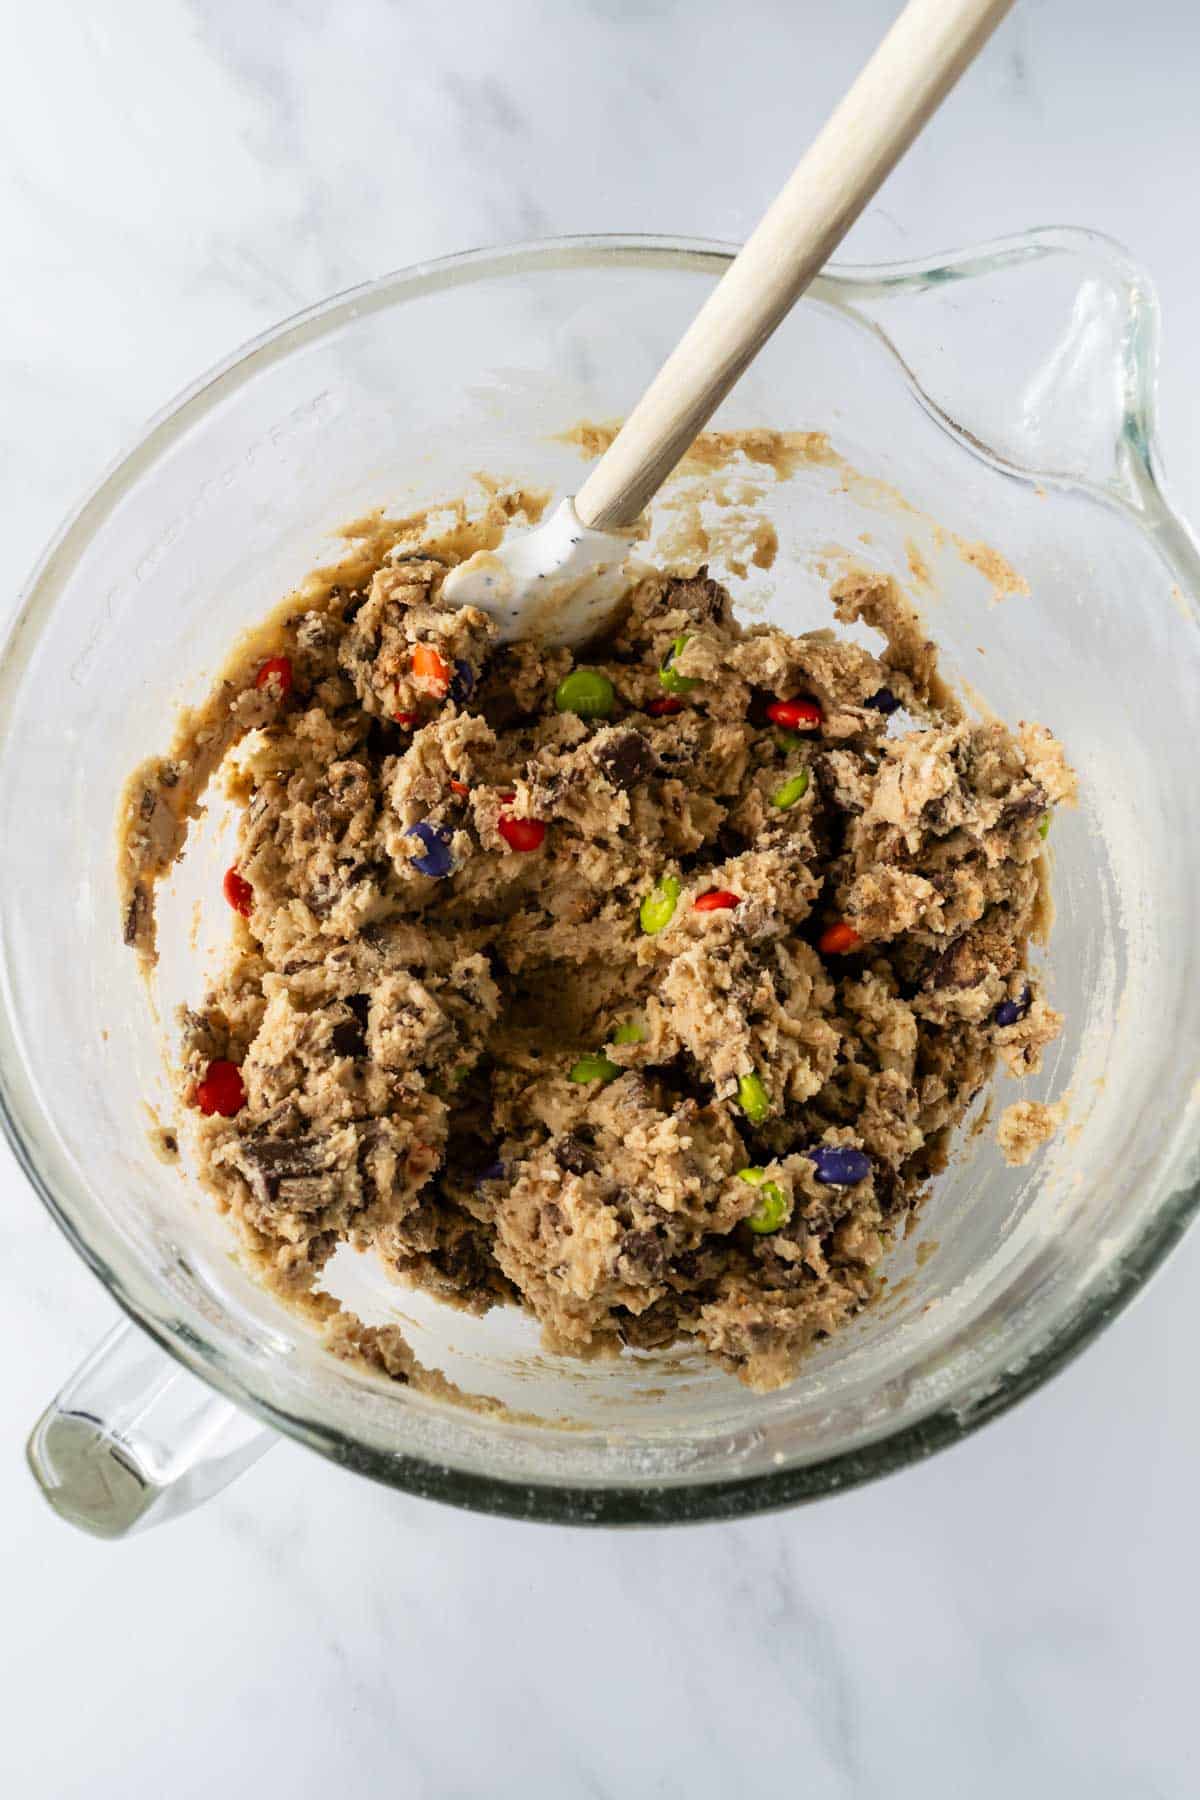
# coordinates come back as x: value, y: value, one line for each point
x: 555, y: 1501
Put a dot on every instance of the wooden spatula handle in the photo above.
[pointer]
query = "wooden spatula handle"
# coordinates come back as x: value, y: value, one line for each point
x: 912, y: 71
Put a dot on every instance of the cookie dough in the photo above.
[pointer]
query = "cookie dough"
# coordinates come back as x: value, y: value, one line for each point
x: 647, y: 1001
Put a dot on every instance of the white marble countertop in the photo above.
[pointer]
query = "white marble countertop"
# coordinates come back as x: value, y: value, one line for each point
x: 1013, y: 1617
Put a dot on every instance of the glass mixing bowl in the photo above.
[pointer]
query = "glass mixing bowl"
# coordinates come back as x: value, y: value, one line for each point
x: 1007, y: 393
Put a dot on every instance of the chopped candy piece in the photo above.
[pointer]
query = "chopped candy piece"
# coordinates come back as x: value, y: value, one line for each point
x: 753, y: 1098
x: 791, y: 791
x: 222, y: 1090
x: 238, y: 892
x: 838, y: 940
x: 716, y: 900
x: 431, y: 669
x: 276, y: 674
x: 840, y: 1165
x: 1011, y: 1012
x: 437, y: 861
x: 671, y: 680
x: 594, y: 1067
x: 658, y: 908
x: 795, y: 714
x: 521, y: 834
x: 772, y: 1208
x: 586, y: 692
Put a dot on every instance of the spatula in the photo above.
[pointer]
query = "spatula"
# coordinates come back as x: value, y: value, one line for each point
x: 562, y: 582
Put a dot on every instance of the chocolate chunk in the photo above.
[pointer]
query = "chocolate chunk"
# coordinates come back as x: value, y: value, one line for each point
x: 202, y: 1036
x: 650, y: 1330
x: 985, y: 946
x: 887, y: 1187
x: 280, y: 1157
x: 349, y: 1039
x: 625, y: 758
x: 136, y: 914
x: 148, y: 801
x: 301, y: 1174
x: 500, y: 707
x: 1030, y: 805
x: 573, y: 1155
x: 464, y: 1263
x: 778, y: 1272
x: 641, y: 1258
x: 701, y: 598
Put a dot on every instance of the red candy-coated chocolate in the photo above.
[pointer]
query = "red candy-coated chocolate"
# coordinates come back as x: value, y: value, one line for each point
x: 238, y: 892
x: 408, y: 720
x: 460, y: 788
x: 662, y: 705
x: 716, y: 900
x: 521, y: 834
x: 222, y: 1090
x: 839, y: 939
x: 794, y: 715
x: 277, y: 670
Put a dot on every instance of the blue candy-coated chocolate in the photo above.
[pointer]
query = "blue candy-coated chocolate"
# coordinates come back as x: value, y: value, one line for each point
x: 462, y: 685
x: 840, y: 1165
x: 884, y: 701
x: 437, y: 860
x: 1009, y: 1012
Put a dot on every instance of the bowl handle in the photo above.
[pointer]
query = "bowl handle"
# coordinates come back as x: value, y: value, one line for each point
x: 134, y: 1439
x: 1037, y: 352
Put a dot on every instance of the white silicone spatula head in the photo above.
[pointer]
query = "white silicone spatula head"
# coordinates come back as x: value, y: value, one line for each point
x: 561, y: 583
x: 558, y: 584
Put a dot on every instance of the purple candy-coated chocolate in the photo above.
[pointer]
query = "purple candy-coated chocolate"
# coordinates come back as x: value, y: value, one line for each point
x: 437, y: 860
x: 884, y: 701
x: 463, y: 684
x: 493, y: 1172
x: 1010, y: 1011
x: 840, y: 1165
